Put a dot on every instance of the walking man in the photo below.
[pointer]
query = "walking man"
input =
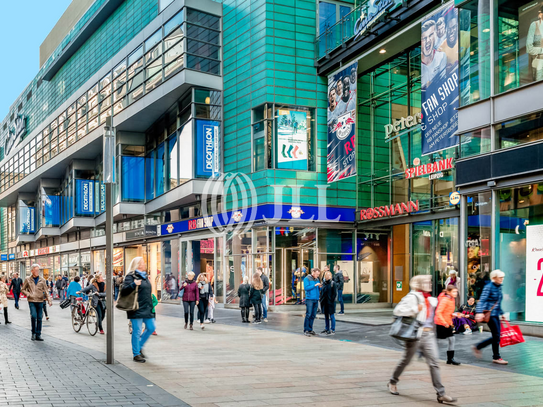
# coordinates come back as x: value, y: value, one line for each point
x: 339, y: 279
x: 35, y: 289
x: 312, y: 287
x: 266, y: 283
x: 15, y: 285
x: 60, y: 285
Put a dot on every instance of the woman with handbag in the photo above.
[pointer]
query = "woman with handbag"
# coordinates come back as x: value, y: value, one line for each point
x: 443, y: 319
x: 420, y: 305
x: 489, y: 310
x: 191, y: 297
x: 137, y: 288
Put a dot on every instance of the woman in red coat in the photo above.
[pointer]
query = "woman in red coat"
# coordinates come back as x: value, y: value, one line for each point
x: 191, y: 297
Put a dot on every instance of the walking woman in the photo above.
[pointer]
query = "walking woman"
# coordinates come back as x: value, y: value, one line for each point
x: 444, y: 322
x: 255, y: 297
x: 137, y: 277
x: 4, y: 289
x: 97, y: 288
x: 491, y: 301
x: 205, y: 290
x: 328, y: 295
x: 191, y: 297
x: 420, y: 304
x: 244, y: 302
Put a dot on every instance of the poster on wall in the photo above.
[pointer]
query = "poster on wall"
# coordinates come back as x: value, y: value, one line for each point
x: 341, y: 120
x: 530, y: 32
x: 85, y: 197
x: 208, y: 151
x: 439, y: 80
x: 291, y: 139
x: 534, y: 273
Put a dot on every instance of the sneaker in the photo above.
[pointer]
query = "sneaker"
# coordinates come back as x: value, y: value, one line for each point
x: 154, y: 333
x: 255, y: 322
x: 341, y: 313
x: 202, y: 326
x: 468, y: 332
x: 499, y: 361
x: 332, y: 332
x: 265, y: 319
x: 207, y: 321
x: 324, y: 332
x: 307, y: 333
x: 477, y: 352
x: 313, y: 333
x: 328, y: 332
x: 139, y: 359
x: 212, y: 321
x: 393, y: 389
x: 101, y: 332
x: 446, y: 399
x: 258, y: 322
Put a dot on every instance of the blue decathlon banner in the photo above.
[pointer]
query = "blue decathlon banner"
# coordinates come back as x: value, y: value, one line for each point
x: 439, y: 80
x: 84, y: 204
x: 207, y: 148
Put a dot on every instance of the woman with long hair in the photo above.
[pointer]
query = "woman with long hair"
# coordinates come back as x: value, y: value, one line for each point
x: 191, y: 297
x: 255, y: 297
x: 4, y: 289
x: 204, y: 291
x: 97, y: 291
x: 444, y: 320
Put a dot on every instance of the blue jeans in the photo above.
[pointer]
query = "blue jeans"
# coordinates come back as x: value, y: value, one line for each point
x: 327, y: 318
x: 340, y: 299
x: 495, y: 328
x: 138, y: 337
x: 36, y: 315
x: 264, y: 306
x: 16, y: 296
x: 116, y: 292
x: 311, y: 307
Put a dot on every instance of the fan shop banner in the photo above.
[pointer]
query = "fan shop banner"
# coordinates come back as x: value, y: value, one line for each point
x: 341, y: 120
x: 439, y: 80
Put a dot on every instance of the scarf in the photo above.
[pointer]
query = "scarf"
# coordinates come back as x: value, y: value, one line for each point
x: 143, y: 274
x: 428, y: 306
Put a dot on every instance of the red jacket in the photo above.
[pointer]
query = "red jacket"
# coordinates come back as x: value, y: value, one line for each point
x: 444, y: 310
x: 191, y: 293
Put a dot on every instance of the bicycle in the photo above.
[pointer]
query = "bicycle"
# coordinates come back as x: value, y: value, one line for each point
x: 83, y: 313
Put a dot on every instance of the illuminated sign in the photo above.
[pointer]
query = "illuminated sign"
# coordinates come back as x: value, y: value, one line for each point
x: 200, y: 223
x: 389, y: 210
x: 402, y: 124
x: 430, y: 168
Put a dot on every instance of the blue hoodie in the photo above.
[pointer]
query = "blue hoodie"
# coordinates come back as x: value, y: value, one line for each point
x: 312, y: 292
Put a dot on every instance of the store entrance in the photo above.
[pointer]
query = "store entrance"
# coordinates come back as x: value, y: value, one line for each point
x: 293, y: 265
x: 198, y: 256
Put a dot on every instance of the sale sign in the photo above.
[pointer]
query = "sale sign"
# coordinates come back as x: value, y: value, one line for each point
x: 534, y: 273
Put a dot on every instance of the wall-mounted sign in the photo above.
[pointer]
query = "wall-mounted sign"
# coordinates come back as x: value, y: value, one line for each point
x: 47, y: 250
x: 3, y: 257
x: 454, y: 198
x: 374, y: 10
x: 26, y: 220
x: 534, y: 273
x: 291, y: 139
x: 389, y: 210
x: 11, y: 256
x: 402, y: 124
x: 430, y: 168
x: 200, y: 223
x: 141, y: 233
x: 207, y: 149
x: 25, y: 253
x: 85, y: 197
x: 15, y: 134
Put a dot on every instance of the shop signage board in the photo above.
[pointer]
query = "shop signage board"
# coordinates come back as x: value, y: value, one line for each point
x: 388, y: 211
x: 141, y: 233
x: 11, y: 256
x: 208, y: 151
x: 85, y: 197
x: 439, y: 80
x: 371, y: 12
x: 534, y: 273
x: 3, y: 257
x: 341, y: 120
x: 401, y: 124
x: 454, y: 198
x: 291, y: 139
x: 430, y: 168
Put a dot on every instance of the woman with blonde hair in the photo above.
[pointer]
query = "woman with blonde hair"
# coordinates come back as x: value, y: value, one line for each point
x: 205, y: 291
x: 255, y: 297
x: 244, y: 302
x: 191, y: 297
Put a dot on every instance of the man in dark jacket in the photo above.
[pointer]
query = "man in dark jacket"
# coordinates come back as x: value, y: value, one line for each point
x: 266, y: 283
x: 339, y: 279
x: 137, y: 277
x: 16, y: 284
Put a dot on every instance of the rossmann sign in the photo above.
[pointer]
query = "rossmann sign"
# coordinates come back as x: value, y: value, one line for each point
x: 388, y: 211
x: 430, y: 168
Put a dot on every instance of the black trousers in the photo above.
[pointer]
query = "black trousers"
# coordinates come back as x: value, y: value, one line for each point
x: 188, y: 306
x: 100, y: 313
x: 6, y: 314
x: 44, y: 309
x: 244, y: 313
x: 202, y: 308
x: 258, y: 311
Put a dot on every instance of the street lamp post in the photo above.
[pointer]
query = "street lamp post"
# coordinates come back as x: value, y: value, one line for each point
x: 109, y: 180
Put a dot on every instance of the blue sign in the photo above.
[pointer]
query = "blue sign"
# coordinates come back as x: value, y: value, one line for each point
x: 439, y: 81
x: 12, y: 256
x: 3, y: 257
x: 102, y: 197
x: 84, y: 197
x: 27, y: 220
x: 207, y: 148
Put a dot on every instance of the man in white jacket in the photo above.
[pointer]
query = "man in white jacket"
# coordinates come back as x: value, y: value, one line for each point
x: 420, y: 305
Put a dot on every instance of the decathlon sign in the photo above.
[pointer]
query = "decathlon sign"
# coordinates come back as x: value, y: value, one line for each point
x: 430, y: 168
x: 208, y: 152
x: 388, y: 211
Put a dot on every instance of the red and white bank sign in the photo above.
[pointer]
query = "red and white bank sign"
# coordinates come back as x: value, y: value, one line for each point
x: 389, y: 210
x: 430, y: 168
x: 534, y: 273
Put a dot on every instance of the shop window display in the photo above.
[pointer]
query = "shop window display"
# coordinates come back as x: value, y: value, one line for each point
x: 373, y: 267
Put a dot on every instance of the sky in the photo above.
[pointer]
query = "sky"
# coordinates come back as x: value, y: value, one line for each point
x: 24, y: 24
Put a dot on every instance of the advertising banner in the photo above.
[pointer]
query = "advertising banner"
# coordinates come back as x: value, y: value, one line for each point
x: 3, y: 257
x: 439, y: 80
x: 292, y: 139
x: 534, y: 273
x: 26, y: 220
x: 341, y: 120
x: 530, y: 32
x: 207, y: 150
x: 85, y: 197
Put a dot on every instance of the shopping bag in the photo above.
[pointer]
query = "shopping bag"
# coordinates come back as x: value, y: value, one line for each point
x: 510, y: 335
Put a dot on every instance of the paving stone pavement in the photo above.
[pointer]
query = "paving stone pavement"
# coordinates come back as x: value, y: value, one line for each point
x: 229, y: 365
x: 59, y: 373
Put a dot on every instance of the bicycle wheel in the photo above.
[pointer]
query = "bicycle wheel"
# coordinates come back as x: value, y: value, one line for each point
x: 77, y: 322
x: 92, y: 321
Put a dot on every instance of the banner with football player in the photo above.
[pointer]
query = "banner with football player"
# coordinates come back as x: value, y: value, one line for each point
x: 341, y: 159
